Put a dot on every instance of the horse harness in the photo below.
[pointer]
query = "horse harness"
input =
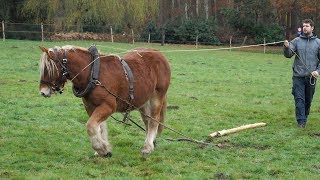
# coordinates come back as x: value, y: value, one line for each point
x: 94, y: 78
x: 94, y: 81
x: 94, y: 74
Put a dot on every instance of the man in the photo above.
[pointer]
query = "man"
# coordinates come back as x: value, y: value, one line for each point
x: 299, y: 32
x: 306, y: 49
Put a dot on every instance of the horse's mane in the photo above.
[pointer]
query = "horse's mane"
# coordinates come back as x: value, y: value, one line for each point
x: 73, y: 48
x: 46, y: 63
x: 49, y: 65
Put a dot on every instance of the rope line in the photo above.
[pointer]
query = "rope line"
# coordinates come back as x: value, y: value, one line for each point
x: 308, y: 69
x: 186, y: 138
x: 198, y: 50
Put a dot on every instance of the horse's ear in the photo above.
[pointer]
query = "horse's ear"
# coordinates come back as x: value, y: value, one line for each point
x: 43, y: 49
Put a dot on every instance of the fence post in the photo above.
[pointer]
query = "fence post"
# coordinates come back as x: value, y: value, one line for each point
x: 264, y: 45
x: 162, y: 37
x: 42, y: 37
x: 149, y: 37
x: 244, y: 40
x: 132, y: 34
x: 3, y: 33
x: 197, y: 41
x: 111, y: 33
x: 230, y: 43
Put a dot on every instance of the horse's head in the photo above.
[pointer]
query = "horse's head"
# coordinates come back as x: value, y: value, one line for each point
x: 53, y: 71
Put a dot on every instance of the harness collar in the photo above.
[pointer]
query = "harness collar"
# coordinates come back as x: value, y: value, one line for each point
x: 94, y: 75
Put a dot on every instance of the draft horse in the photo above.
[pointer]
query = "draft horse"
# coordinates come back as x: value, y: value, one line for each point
x: 138, y: 80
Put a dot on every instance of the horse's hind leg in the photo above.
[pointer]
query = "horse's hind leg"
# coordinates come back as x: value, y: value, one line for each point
x: 150, y: 114
x: 97, y: 131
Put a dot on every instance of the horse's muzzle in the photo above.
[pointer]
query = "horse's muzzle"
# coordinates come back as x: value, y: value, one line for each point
x: 45, y: 92
x: 44, y: 95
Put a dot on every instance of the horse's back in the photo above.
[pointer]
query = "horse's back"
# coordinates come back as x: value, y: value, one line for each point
x: 151, y: 76
x: 150, y: 68
x: 149, y: 62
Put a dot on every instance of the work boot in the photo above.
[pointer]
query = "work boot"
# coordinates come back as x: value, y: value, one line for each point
x: 301, y: 125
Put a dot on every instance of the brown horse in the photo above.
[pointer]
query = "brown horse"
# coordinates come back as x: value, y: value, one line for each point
x: 139, y: 80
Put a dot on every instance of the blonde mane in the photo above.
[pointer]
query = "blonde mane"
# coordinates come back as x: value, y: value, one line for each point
x: 48, y: 65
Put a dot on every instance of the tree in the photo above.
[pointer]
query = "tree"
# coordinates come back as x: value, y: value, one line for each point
x: 291, y: 12
x: 10, y: 10
x: 65, y: 14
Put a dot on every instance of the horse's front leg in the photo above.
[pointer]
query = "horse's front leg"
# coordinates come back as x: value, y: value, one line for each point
x: 96, y: 128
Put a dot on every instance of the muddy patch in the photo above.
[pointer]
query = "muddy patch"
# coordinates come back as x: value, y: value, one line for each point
x: 194, y: 98
x: 316, y: 135
x: 172, y: 107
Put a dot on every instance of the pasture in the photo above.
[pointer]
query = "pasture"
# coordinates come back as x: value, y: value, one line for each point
x: 46, y: 138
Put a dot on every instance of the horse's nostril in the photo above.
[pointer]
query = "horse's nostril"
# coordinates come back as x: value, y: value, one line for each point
x: 44, y: 94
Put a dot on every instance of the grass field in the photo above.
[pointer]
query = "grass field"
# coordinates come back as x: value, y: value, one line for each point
x: 45, y: 138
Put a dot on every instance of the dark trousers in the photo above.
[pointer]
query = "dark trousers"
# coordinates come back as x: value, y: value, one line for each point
x: 302, y: 91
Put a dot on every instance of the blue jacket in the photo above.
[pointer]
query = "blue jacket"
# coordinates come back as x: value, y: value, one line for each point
x: 308, y: 50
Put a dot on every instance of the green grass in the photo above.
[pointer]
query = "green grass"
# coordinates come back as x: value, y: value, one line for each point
x: 214, y: 90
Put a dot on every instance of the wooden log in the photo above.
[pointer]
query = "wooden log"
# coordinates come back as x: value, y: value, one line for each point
x: 233, y: 130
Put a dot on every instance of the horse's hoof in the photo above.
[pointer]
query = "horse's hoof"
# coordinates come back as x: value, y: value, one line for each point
x: 108, y: 155
x: 145, y: 153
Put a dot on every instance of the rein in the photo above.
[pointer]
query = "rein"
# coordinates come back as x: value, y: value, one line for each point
x: 186, y: 138
x: 130, y: 104
x: 311, y: 77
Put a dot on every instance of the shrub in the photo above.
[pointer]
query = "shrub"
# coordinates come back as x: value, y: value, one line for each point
x: 271, y: 33
x: 185, y: 32
x: 189, y: 29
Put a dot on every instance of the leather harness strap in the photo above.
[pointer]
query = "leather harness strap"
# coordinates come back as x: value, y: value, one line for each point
x: 129, y: 75
x: 94, y: 75
x: 94, y: 79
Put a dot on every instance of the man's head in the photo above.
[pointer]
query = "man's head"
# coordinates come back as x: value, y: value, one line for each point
x: 308, y: 26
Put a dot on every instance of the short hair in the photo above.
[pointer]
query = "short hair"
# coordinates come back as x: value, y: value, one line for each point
x: 308, y: 21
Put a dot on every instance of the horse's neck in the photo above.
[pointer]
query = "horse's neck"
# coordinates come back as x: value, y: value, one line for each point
x: 80, y: 69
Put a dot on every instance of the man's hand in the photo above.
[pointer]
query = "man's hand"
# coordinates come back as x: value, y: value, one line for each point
x: 286, y: 43
x: 315, y: 74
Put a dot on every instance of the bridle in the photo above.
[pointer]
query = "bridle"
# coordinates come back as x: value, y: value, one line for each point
x: 58, y: 85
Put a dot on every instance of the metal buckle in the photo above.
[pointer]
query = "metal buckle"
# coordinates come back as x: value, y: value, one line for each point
x: 97, y: 82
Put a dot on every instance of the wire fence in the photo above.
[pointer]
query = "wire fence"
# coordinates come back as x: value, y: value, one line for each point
x: 48, y: 32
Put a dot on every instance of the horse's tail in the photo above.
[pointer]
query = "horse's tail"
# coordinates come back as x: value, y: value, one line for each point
x: 162, y: 115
